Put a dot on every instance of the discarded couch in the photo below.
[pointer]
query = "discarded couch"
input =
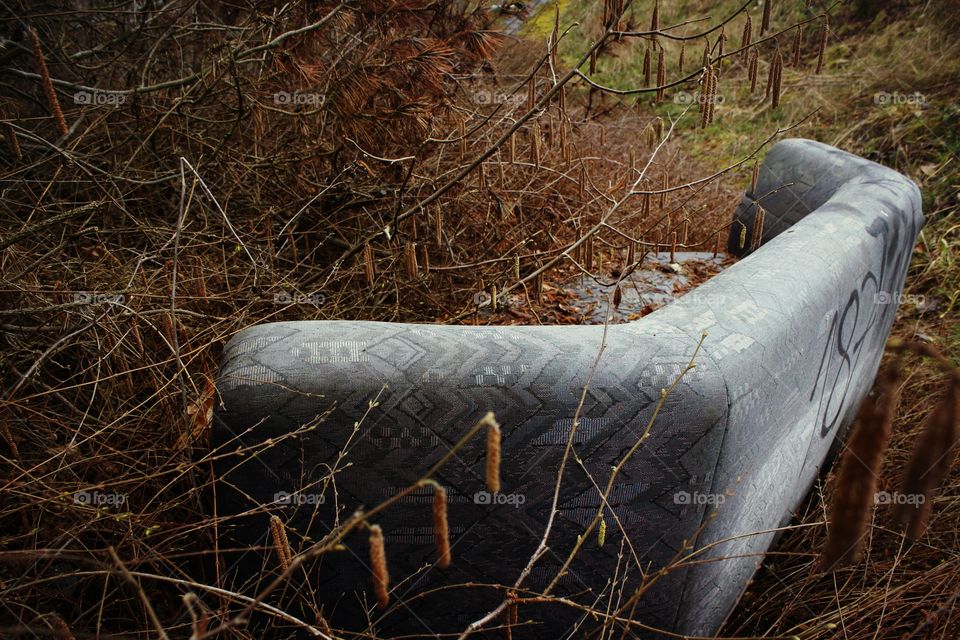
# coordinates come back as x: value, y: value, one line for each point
x: 795, y: 333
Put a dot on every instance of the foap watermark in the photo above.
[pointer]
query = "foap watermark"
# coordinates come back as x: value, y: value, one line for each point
x: 696, y: 97
x: 285, y: 297
x: 99, y: 498
x: 298, y: 499
x: 88, y: 297
x: 297, y: 98
x: 97, y: 97
x: 484, y: 299
x: 884, y: 297
x: 915, y: 99
x: 497, y: 97
x: 697, y: 498
x: 895, y: 497
x: 710, y: 299
x: 485, y: 497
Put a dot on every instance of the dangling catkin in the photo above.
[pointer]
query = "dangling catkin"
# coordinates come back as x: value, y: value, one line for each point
x: 378, y: 562
x: 201, y: 279
x: 757, y: 228
x: 322, y: 624
x: 859, y: 469
x: 765, y: 23
x: 930, y: 463
x: 493, y: 455
x: 441, y: 529
x: 778, y: 73
x: 60, y: 629
x: 12, y: 141
x: 646, y: 68
x: 683, y: 49
x: 655, y: 20
x: 438, y: 226
x: 48, y: 84
x: 648, y: 137
x: 170, y: 327
x: 555, y: 36
x: 712, y: 101
x: 661, y: 75
x: 368, y: 267
x: 705, y: 98
x: 8, y: 438
x: 135, y: 334
x: 280, y: 542
x: 425, y: 259
x: 771, y: 70
x: 822, y: 45
x: 536, y: 142
x: 745, y: 39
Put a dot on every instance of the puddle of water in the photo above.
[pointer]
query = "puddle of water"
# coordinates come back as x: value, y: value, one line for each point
x: 584, y: 301
x: 657, y: 283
